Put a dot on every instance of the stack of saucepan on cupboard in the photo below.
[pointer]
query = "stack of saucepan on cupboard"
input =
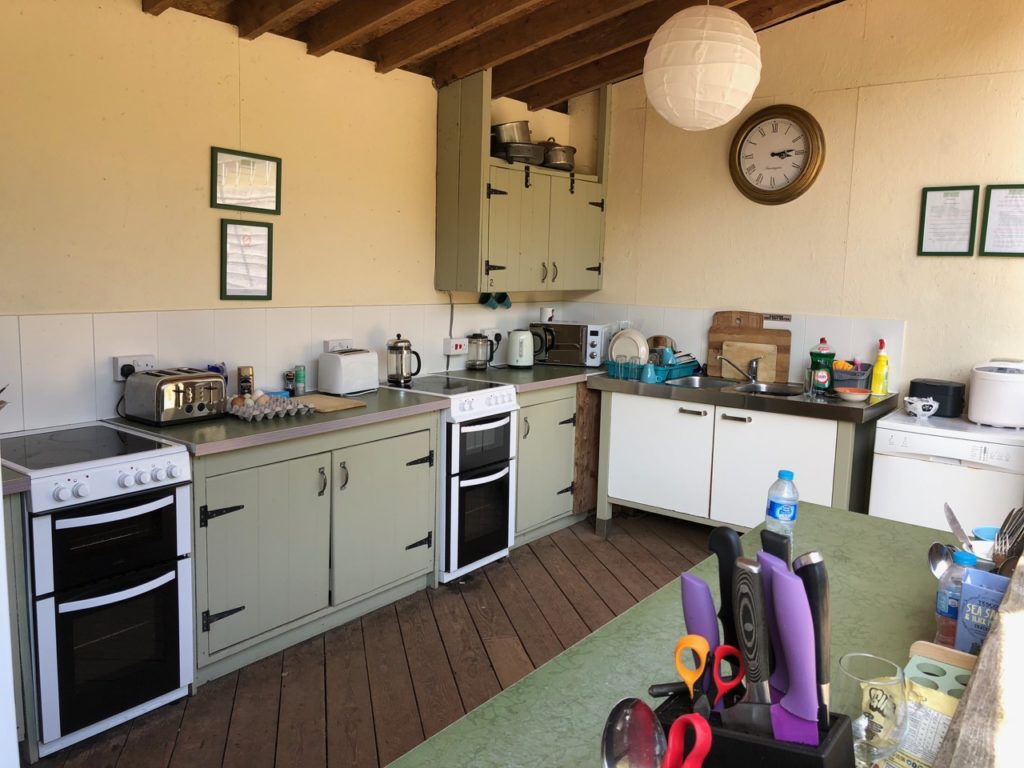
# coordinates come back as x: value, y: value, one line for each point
x: 512, y: 143
x: 756, y: 693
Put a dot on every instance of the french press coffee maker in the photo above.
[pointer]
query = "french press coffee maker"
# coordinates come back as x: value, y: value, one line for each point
x: 399, y: 361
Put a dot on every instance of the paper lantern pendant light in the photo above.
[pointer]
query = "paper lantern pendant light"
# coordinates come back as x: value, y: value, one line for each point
x: 702, y: 67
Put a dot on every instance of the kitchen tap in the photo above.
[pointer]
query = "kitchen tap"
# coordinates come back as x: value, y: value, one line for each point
x: 751, y: 372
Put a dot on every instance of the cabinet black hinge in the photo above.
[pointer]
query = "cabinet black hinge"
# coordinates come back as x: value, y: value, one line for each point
x: 428, y: 460
x: 205, y: 514
x: 488, y: 267
x: 209, y: 618
x: 526, y: 177
x: 595, y: 268
x: 572, y: 183
x: 494, y: 191
x: 570, y: 420
x: 598, y: 205
x: 427, y: 542
x: 570, y: 489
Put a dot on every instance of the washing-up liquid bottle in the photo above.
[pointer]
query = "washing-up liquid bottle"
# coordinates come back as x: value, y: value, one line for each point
x: 880, y: 373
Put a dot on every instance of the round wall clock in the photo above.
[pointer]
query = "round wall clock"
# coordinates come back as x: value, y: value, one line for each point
x: 776, y: 154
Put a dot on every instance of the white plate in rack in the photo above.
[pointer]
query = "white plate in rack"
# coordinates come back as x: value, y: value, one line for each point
x: 630, y: 343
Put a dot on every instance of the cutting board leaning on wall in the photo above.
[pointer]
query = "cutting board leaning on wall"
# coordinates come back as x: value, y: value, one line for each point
x: 741, y: 336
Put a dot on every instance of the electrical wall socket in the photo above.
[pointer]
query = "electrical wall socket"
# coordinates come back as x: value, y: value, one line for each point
x: 490, y: 333
x: 332, y: 345
x: 141, y: 363
x: 456, y: 346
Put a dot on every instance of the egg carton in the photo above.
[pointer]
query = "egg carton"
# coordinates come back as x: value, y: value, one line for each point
x: 272, y: 407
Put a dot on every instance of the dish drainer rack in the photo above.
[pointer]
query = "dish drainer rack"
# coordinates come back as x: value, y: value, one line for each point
x: 662, y: 373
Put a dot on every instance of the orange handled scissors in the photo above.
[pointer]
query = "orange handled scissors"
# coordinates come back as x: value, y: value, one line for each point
x: 700, y: 649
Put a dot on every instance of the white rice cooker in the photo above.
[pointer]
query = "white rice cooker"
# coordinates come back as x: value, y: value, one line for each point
x: 996, y: 397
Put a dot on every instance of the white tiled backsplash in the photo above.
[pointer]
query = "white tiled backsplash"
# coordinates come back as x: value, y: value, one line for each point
x: 59, y: 368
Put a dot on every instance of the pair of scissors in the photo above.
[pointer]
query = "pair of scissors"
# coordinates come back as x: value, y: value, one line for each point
x: 676, y: 755
x: 700, y: 649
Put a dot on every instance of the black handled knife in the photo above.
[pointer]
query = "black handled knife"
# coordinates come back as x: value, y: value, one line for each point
x: 725, y: 543
x: 777, y: 544
x: 811, y: 569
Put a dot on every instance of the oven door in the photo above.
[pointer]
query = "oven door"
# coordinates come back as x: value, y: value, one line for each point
x: 473, y: 445
x: 481, y: 516
x: 113, y: 646
x: 90, y: 542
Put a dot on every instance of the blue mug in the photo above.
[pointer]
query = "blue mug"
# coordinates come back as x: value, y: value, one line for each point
x: 668, y: 356
x: 648, y: 375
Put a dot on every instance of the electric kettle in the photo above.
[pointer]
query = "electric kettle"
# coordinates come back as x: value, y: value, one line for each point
x: 399, y: 361
x: 521, y: 349
x: 481, y: 351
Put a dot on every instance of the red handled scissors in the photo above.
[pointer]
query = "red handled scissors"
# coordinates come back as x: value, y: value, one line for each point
x: 701, y: 652
x: 676, y: 756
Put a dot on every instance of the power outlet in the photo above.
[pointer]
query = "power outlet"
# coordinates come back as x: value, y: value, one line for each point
x: 140, y: 363
x: 333, y: 345
x: 454, y: 347
x: 490, y: 333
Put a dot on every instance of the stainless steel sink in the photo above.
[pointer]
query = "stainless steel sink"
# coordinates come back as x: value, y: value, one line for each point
x: 779, y: 390
x: 701, y: 382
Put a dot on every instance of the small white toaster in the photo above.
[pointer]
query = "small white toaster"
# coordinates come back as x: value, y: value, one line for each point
x: 346, y: 371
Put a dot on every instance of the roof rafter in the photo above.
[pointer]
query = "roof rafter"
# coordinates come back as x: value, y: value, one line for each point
x: 255, y: 17
x: 345, y: 22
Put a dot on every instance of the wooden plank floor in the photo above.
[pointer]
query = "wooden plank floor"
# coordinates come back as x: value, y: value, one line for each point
x: 365, y: 693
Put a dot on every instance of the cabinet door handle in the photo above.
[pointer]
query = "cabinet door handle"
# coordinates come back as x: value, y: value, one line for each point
x: 730, y: 417
x: 554, y: 269
x: 544, y: 272
x: 344, y: 482
x: 323, y: 482
x: 693, y: 412
x: 526, y: 431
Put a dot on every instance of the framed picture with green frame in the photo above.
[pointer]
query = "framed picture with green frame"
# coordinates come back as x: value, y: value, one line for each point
x: 244, y: 181
x: 949, y: 219
x: 1002, y: 230
x: 246, y: 259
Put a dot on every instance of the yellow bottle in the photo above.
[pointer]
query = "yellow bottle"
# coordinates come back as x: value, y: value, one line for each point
x: 880, y: 372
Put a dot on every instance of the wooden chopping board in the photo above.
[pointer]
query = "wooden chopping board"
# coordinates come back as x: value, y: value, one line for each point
x: 330, y: 403
x: 742, y: 352
x: 747, y: 327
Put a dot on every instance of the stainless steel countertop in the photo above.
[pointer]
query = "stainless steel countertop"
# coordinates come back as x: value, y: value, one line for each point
x: 530, y: 379
x: 798, y: 405
x: 14, y: 482
x: 230, y: 433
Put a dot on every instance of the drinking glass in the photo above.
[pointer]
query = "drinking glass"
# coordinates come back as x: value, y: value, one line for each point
x: 634, y: 368
x: 871, y: 691
x: 620, y: 367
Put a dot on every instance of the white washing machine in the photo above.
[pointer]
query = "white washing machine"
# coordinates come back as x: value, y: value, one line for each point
x: 922, y: 464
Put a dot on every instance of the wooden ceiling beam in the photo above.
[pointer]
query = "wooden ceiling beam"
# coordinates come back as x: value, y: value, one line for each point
x: 444, y: 28
x: 255, y: 17
x: 346, y: 22
x: 588, y: 45
x: 156, y: 7
x: 610, y: 69
x: 761, y: 14
x: 525, y: 34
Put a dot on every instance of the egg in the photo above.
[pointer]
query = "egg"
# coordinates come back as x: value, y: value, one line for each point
x: 237, y: 401
x: 262, y: 399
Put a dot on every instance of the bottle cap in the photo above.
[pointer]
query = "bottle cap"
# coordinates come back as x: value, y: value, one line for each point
x: 966, y: 559
x: 881, y: 345
x: 786, y: 474
x: 822, y: 347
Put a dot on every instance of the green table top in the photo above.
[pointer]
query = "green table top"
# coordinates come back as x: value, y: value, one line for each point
x: 882, y: 601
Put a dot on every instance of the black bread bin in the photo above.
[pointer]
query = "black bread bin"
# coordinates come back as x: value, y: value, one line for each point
x: 948, y: 394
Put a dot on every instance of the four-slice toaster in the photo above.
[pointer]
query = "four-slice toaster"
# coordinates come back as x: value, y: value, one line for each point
x: 174, y: 395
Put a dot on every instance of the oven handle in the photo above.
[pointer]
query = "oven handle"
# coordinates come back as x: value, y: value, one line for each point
x: 487, y: 425
x: 116, y: 597
x: 111, y: 517
x: 483, y: 480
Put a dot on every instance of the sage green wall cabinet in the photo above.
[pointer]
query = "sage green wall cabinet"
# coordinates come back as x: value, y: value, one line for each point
x: 546, y: 459
x: 267, y: 534
x: 382, y: 514
x: 509, y: 226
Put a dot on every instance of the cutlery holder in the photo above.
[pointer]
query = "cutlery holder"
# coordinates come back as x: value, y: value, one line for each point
x: 730, y: 748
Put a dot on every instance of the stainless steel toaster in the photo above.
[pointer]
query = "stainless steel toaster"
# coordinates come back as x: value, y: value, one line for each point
x: 174, y: 395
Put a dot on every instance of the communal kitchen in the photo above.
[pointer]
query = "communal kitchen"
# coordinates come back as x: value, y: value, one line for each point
x: 400, y: 383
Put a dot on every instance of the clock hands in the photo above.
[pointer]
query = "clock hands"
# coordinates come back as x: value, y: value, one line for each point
x: 782, y: 154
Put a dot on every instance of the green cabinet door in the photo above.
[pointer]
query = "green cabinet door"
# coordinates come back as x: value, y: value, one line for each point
x: 576, y: 234
x: 534, y: 270
x: 547, y: 440
x: 267, y: 547
x: 383, y: 512
x: 500, y: 267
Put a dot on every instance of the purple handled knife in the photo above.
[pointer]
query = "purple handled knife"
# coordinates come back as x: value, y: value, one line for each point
x: 795, y: 717
x: 779, y: 680
x: 699, y: 614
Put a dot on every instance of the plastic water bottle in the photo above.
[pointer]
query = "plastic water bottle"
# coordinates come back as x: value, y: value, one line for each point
x: 947, y: 598
x: 783, y: 500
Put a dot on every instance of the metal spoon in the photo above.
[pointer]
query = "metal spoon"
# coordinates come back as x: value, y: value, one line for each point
x: 632, y: 736
x: 939, y: 558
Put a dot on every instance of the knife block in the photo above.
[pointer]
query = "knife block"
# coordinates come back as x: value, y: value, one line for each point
x: 731, y: 748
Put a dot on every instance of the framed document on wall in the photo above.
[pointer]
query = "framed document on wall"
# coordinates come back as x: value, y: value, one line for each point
x: 949, y: 218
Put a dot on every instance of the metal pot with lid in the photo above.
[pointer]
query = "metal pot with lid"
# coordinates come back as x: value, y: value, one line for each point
x: 559, y: 156
x: 481, y: 351
x: 399, y: 361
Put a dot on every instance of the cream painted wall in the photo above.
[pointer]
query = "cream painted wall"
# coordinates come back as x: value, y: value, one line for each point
x: 109, y: 118
x: 910, y: 93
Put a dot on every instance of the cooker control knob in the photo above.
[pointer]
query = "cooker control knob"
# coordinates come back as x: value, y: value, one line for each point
x: 490, y: 400
x: 173, y: 470
x: 81, y: 490
x: 142, y: 477
x: 61, y: 493
x: 125, y: 480
x: 158, y: 474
